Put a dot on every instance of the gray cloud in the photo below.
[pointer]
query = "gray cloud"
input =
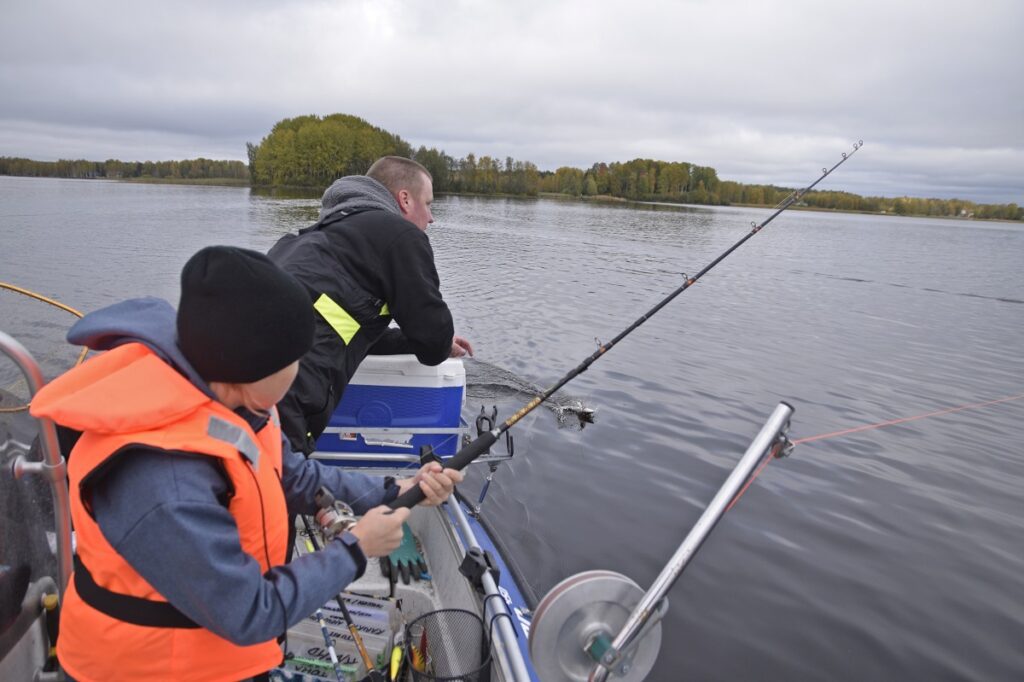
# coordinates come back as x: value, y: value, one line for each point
x: 764, y: 92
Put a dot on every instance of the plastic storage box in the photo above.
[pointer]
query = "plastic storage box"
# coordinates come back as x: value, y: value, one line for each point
x: 391, y: 408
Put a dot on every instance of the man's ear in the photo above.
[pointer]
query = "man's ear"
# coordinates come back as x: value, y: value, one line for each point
x: 404, y: 201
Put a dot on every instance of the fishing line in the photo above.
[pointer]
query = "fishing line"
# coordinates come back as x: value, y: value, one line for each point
x: 56, y: 304
x: 485, y: 440
x: 903, y: 420
x: 867, y: 427
x: 773, y: 454
x: 39, y: 297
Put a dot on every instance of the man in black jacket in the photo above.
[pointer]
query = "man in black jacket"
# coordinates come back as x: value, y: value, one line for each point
x: 366, y: 261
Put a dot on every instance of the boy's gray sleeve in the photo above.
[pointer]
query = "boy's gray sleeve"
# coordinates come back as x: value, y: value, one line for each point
x: 302, y: 477
x: 161, y: 512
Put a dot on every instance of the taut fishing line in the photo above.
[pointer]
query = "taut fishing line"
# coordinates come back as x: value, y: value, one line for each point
x: 870, y: 427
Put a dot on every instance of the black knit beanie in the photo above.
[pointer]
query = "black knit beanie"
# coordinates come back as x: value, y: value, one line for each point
x: 241, y: 318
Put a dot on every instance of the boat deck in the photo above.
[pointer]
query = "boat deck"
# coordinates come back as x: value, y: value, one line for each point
x: 381, y: 610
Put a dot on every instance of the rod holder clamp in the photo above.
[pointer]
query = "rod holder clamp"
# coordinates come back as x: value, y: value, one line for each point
x: 22, y: 466
x: 475, y: 564
x: 601, y: 648
x: 785, y: 447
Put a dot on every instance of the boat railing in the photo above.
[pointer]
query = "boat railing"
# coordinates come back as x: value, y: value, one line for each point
x: 24, y: 647
x: 52, y: 467
x: 504, y: 643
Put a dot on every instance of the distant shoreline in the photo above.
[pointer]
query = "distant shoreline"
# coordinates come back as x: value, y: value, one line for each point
x: 605, y: 199
x: 312, y: 193
x: 221, y: 182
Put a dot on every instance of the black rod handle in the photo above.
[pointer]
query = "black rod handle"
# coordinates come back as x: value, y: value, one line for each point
x: 410, y: 498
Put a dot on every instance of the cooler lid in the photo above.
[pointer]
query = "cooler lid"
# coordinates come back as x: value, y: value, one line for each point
x: 452, y: 370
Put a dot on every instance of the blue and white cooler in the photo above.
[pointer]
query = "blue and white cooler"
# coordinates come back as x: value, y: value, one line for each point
x: 391, y: 408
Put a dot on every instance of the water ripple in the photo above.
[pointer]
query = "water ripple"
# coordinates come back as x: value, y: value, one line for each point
x: 896, y: 553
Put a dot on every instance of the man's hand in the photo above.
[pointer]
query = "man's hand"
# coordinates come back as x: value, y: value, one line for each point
x: 435, y: 481
x: 380, y: 530
x: 461, y: 347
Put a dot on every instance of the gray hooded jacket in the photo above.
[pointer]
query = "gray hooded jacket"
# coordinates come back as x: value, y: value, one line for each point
x: 164, y: 513
x: 356, y: 193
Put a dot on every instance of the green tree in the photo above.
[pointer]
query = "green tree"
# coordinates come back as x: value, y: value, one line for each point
x: 311, y: 151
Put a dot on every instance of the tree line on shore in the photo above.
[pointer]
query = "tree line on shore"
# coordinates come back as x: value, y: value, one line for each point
x: 313, y: 151
x: 650, y: 180
x: 113, y: 169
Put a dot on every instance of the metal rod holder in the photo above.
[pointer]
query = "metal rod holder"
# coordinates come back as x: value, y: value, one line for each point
x: 634, y: 626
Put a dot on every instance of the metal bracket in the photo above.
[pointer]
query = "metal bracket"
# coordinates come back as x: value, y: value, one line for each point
x: 783, y: 444
x: 22, y: 466
x: 601, y: 649
x: 475, y: 564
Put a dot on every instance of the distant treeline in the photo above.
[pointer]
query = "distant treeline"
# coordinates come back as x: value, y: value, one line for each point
x: 113, y: 169
x: 649, y: 180
x: 485, y: 175
x: 313, y: 151
x: 309, y: 151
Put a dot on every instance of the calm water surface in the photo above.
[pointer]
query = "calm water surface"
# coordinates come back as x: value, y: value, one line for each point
x: 894, y: 553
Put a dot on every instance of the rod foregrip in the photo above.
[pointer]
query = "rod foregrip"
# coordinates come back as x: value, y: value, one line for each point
x: 413, y: 496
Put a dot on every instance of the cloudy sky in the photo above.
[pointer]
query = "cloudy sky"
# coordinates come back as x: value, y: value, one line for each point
x: 764, y: 91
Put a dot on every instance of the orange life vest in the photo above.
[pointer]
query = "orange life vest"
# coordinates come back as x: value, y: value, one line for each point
x: 130, y: 396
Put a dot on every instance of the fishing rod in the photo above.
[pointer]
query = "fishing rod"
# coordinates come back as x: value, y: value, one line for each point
x: 349, y: 623
x: 485, y: 440
x: 329, y: 643
x: 335, y: 520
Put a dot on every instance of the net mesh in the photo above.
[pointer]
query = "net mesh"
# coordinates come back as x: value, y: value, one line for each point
x: 448, y: 645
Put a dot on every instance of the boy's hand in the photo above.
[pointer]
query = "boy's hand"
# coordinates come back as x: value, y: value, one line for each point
x: 380, y: 530
x: 435, y: 481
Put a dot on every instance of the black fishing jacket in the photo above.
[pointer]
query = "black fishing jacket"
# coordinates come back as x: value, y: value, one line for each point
x: 361, y: 271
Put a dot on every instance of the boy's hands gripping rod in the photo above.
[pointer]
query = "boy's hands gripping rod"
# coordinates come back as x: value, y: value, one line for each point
x: 483, y: 442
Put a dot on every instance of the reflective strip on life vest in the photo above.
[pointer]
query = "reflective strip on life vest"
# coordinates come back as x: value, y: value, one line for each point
x: 341, y: 322
x: 384, y: 310
x: 233, y: 435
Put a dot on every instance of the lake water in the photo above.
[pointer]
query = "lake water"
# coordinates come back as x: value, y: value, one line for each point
x: 894, y: 553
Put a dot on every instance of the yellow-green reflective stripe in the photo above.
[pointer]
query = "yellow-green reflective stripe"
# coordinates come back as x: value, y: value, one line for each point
x: 384, y: 310
x: 340, y: 321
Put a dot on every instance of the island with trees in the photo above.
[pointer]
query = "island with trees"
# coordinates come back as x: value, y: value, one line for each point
x: 310, y: 152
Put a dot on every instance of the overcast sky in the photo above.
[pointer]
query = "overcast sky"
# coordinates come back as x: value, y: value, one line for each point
x: 764, y: 91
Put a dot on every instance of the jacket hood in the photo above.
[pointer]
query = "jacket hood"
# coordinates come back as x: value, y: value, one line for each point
x: 149, y: 320
x: 128, y: 389
x: 356, y: 193
x: 115, y: 392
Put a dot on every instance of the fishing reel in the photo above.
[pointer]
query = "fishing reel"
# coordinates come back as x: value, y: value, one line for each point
x: 334, y: 516
x: 576, y: 622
